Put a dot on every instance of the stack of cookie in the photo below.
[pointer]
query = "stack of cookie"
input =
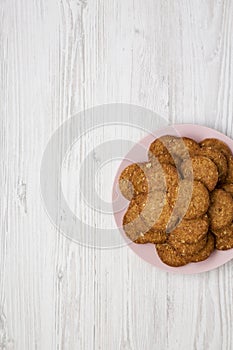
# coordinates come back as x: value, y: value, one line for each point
x: 221, y: 206
x: 181, y: 199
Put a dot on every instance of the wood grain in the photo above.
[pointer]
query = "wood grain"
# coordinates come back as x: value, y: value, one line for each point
x: 58, y: 58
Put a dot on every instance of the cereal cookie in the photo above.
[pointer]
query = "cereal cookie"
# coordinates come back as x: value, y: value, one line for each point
x: 187, y: 249
x: 158, y: 149
x: 193, y: 200
x: 221, y: 209
x: 229, y: 178
x: 172, y: 149
x: 204, y: 253
x: 191, y: 145
x: 141, y: 178
x: 156, y: 211
x: 169, y: 255
x: 133, y: 224
x: 152, y: 236
x: 191, y: 231
x: 218, y: 158
x: 135, y: 227
x: 224, y: 243
x: 226, y: 231
x: 228, y: 188
x: 172, y: 183
x: 125, y: 184
x: 217, y: 144
x: 196, y: 168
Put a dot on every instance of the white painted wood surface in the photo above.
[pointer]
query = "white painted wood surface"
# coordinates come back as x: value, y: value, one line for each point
x: 59, y: 57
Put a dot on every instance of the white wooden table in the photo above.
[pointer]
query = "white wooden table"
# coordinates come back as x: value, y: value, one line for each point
x: 59, y: 57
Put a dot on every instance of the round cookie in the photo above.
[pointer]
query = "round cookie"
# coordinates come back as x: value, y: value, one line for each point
x: 156, y: 211
x: 228, y: 188
x: 142, y: 178
x: 221, y: 209
x: 217, y: 144
x: 226, y: 231
x: 160, y: 177
x: 191, y: 231
x: 125, y: 183
x: 152, y: 236
x: 133, y: 224
x: 193, y: 200
x: 169, y: 255
x: 185, y: 249
x: 224, y: 243
x: 135, y: 227
x: 191, y: 145
x: 172, y: 183
x: 202, y: 169
x: 172, y: 149
x: 159, y: 150
x: 218, y: 158
x: 229, y: 178
x: 204, y: 253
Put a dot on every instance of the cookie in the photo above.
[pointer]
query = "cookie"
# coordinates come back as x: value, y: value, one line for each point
x: 217, y: 144
x: 191, y: 231
x: 221, y: 209
x: 152, y: 236
x: 125, y: 184
x: 156, y: 211
x: 191, y: 146
x: 133, y: 224
x: 185, y: 249
x: 158, y: 150
x: 204, y: 253
x: 193, y: 200
x: 172, y: 149
x: 229, y: 178
x: 218, y: 158
x: 142, y: 178
x: 228, y: 188
x: 226, y: 231
x: 202, y: 169
x: 169, y: 255
x: 224, y: 243
x: 135, y: 227
x: 172, y: 183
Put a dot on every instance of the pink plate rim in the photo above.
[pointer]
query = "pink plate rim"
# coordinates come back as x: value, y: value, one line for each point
x: 147, y: 251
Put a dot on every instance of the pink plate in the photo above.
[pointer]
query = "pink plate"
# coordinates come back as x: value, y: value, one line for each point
x: 139, y: 153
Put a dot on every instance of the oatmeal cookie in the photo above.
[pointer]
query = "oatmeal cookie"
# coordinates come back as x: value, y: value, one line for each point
x: 158, y: 149
x: 141, y: 178
x: 221, y: 209
x: 191, y: 231
x: 204, y: 253
x: 202, y: 169
x: 192, y: 147
x: 229, y: 178
x: 152, y: 236
x: 217, y: 144
x: 218, y: 158
x: 224, y: 243
x: 172, y: 183
x: 125, y: 181
x: 185, y: 249
x: 228, y: 188
x: 133, y: 224
x: 193, y: 200
x: 169, y: 255
x: 226, y: 231
x: 156, y: 211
